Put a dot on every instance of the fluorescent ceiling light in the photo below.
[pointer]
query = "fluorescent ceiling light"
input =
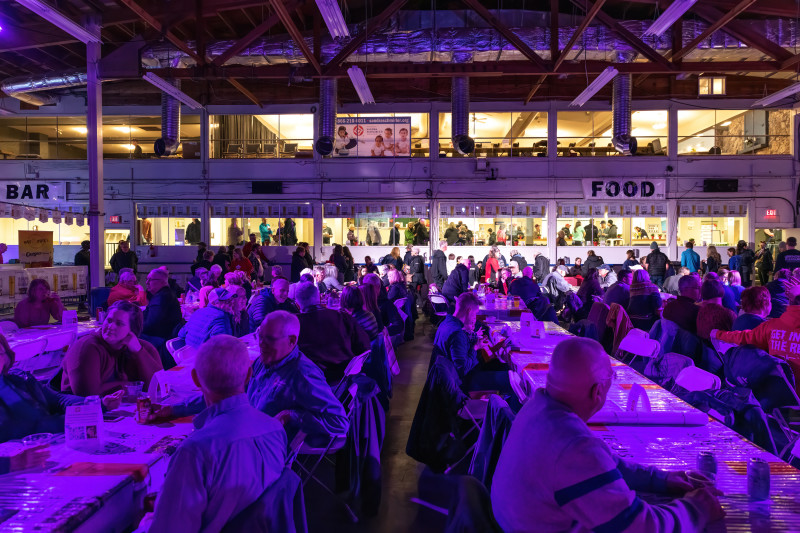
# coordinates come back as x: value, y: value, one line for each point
x: 780, y: 95
x: 123, y: 129
x: 599, y: 82
x: 659, y: 126
x: 49, y: 13
x: 669, y: 17
x: 360, y: 84
x: 726, y: 123
x: 171, y: 90
x: 80, y: 129
x: 332, y: 15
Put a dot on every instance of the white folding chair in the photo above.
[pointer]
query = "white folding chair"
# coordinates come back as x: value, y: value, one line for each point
x: 183, y: 354
x: 695, y: 379
x: 353, y: 367
x: 638, y: 346
x: 173, y: 345
x: 60, y: 341
x: 475, y: 412
x: 640, y: 333
x: 400, y: 304
x: 391, y: 357
x: 29, y: 349
x: 8, y: 326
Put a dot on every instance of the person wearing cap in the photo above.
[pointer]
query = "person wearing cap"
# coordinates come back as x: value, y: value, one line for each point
x: 607, y: 276
x: 163, y: 312
x: 556, y: 287
x: 656, y: 262
x: 567, y: 231
x: 690, y: 259
x: 220, y: 317
x: 554, y: 474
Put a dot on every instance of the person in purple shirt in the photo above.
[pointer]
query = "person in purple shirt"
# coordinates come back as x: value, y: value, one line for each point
x: 235, y: 453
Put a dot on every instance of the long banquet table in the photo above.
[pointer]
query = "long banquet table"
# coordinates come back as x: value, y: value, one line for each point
x: 675, y: 447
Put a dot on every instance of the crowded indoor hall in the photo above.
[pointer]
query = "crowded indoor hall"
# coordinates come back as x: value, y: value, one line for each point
x: 350, y: 266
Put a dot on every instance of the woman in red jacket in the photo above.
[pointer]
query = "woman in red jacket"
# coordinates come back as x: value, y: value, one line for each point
x: 240, y: 262
x: 492, y: 268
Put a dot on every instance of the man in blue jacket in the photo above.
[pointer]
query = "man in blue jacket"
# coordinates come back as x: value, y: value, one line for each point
x: 268, y: 300
x: 690, y: 259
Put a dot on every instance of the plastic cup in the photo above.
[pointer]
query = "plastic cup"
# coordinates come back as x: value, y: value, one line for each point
x: 701, y: 479
x: 37, y: 439
x: 133, y: 389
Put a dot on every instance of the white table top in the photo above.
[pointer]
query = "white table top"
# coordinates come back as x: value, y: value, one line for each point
x: 677, y: 447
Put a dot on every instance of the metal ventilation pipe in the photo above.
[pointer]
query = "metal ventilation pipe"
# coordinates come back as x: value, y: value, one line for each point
x: 621, y: 126
x: 170, y: 124
x: 29, y: 88
x: 327, y: 116
x: 459, y: 102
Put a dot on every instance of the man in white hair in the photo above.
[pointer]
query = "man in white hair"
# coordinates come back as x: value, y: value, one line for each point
x: 233, y: 456
x: 288, y: 386
x: 525, y: 287
x: 554, y: 474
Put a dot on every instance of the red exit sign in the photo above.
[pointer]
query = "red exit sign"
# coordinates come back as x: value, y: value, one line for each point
x: 117, y: 219
x: 771, y: 213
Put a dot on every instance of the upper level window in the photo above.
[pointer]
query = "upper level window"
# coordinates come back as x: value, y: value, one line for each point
x: 261, y: 136
x: 499, y: 134
x: 711, y: 85
x: 588, y: 133
x: 734, y: 132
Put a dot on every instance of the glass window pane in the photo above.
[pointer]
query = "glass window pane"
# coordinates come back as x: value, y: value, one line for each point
x: 735, y: 132
x: 712, y: 231
x: 260, y: 136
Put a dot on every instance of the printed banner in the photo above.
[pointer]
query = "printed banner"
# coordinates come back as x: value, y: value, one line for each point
x: 372, y: 137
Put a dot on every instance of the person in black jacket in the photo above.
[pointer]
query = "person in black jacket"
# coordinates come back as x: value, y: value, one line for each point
x: 451, y: 234
x: 474, y: 271
x: 521, y: 262
x: 394, y: 235
x: 421, y: 234
x: 222, y: 259
x: 298, y: 263
x: 541, y: 266
x: 458, y: 281
x: 747, y: 262
x: 163, y: 312
x: 193, y: 232
x: 592, y: 261
x: 124, y: 258
x: 416, y: 267
x: 439, y: 265
x: 656, y: 264
x: 525, y: 287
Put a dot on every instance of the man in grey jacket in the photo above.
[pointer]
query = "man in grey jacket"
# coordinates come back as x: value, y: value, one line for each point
x: 554, y: 474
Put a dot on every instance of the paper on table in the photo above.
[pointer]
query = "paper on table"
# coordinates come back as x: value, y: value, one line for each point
x: 137, y: 471
x: 650, y: 418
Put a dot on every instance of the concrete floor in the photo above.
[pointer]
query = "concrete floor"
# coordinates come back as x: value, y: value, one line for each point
x: 400, y: 473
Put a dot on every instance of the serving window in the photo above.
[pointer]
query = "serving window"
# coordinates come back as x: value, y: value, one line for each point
x: 63, y: 233
x: 518, y: 224
x: 272, y: 224
x: 712, y: 225
x: 596, y: 225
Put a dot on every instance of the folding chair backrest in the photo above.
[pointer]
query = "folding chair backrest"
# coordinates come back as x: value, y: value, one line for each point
x: 8, y: 326
x: 173, y: 345
x: 438, y: 299
x: 269, y: 148
x: 636, y: 332
x: 235, y: 148
x: 696, y: 379
x: 59, y: 341
x: 252, y: 148
x: 597, y: 316
x: 400, y: 304
x: 183, y: 354
x: 641, y: 346
x: 27, y: 350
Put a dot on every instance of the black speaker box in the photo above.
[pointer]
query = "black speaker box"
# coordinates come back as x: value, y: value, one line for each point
x: 721, y: 186
x: 267, y: 187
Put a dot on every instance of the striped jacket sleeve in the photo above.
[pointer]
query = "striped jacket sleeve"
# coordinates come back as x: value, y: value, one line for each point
x: 590, y: 487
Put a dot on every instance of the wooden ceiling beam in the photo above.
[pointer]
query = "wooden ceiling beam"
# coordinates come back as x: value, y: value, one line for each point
x: 590, y: 15
x: 716, y: 25
x: 169, y: 34
x: 280, y: 9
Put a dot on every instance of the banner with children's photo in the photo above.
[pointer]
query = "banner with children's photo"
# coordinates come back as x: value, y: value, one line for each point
x: 372, y: 137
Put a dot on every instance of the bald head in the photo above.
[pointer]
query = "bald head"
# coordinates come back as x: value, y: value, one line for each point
x: 579, y: 375
x: 527, y: 272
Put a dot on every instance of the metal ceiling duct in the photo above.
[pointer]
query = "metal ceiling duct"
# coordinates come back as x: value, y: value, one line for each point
x: 327, y: 116
x: 459, y: 123
x: 621, y: 117
x: 31, y: 89
x: 170, y: 124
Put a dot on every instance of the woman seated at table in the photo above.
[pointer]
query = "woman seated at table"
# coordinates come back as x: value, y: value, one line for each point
x: 127, y: 290
x: 209, y: 282
x: 504, y: 282
x: 39, y: 306
x: 238, y: 279
x: 223, y: 316
x: 586, y: 293
x: 27, y: 406
x: 331, y: 279
x: 104, y: 361
x: 370, y: 293
x: 644, y: 307
x: 352, y: 302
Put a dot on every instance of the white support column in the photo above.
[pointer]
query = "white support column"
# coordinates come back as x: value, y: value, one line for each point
x: 672, y: 230
x: 94, y: 156
x: 205, y: 156
x: 552, y: 231
x: 316, y: 248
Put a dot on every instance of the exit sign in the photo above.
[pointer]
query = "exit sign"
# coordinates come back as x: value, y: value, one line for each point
x: 771, y: 213
x: 117, y: 219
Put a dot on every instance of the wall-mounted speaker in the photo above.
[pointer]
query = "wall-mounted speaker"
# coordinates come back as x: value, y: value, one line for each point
x: 721, y: 186
x: 267, y: 187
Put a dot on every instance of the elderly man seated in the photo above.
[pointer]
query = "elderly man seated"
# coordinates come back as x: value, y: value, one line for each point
x: 525, y: 287
x: 275, y: 298
x: 163, y: 312
x: 620, y: 292
x: 235, y: 453
x: 607, y: 276
x: 127, y: 289
x: 554, y: 474
x: 683, y: 310
x: 329, y: 338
